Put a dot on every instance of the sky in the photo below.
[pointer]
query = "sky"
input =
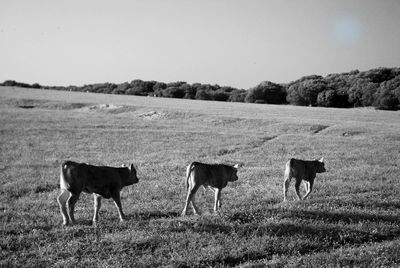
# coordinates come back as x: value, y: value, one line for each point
x: 237, y: 43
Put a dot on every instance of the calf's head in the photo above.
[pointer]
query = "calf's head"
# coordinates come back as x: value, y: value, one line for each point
x: 234, y: 176
x: 132, y: 178
x: 320, y: 166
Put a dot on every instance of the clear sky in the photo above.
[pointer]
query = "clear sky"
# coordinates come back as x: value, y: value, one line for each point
x: 237, y: 43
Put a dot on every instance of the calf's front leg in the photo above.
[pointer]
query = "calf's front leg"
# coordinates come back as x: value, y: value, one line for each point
x: 97, y: 205
x: 217, y: 199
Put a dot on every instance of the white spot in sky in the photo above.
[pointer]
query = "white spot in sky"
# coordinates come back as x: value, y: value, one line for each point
x: 347, y: 30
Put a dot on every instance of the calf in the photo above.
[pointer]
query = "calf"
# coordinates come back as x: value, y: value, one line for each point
x: 215, y: 176
x: 102, y: 181
x: 302, y: 170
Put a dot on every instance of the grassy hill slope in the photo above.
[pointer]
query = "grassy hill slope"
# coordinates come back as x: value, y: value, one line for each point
x: 351, y: 218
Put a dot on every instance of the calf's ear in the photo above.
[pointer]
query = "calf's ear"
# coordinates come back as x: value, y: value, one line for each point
x: 321, y: 160
x: 131, y: 167
x: 236, y: 166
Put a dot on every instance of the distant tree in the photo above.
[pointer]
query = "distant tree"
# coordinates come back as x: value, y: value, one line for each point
x: 140, y: 87
x: 237, y: 95
x: 173, y: 92
x: 190, y: 92
x: 9, y: 83
x: 267, y: 92
x: 305, y: 90
x: 227, y: 89
x: 202, y: 94
x: 36, y: 85
x: 362, y: 91
x: 158, y: 88
x: 396, y: 87
x: 121, y: 88
x: 220, y: 95
x: 327, y: 98
x: 379, y: 75
x: 176, y: 90
x: 73, y: 88
x: 388, y: 95
x: 386, y: 100
x: 176, y: 84
x: 100, y: 88
x: 12, y: 83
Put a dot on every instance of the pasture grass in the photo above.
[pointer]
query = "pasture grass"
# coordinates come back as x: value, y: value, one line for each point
x: 351, y: 219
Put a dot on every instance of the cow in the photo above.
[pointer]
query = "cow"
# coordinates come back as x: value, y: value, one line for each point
x: 213, y: 176
x: 101, y: 181
x: 302, y: 170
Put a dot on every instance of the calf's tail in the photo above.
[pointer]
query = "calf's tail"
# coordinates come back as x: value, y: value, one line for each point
x: 63, y: 183
x: 288, y: 167
x: 188, y: 171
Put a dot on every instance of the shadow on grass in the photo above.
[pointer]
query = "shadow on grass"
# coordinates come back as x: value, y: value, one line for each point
x: 261, y: 214
x: 366, y: 204
x: 152, y: 215
x: 323, y: 232
x: 290, y: 239
x: 341, y: 217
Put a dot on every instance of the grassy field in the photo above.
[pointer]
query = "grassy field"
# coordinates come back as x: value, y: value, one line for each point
x: 351, y: 219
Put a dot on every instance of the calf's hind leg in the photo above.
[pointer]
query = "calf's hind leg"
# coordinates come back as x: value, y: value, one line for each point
x: 287, y: 178
x: 62, y: 201
x: 190, y: 198
x: 297, y: 188
x: 309, y: 186
x: 71, y: 206
x: 117, y: 201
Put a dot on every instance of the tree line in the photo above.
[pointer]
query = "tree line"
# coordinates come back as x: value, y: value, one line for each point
x: 378, y: 87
